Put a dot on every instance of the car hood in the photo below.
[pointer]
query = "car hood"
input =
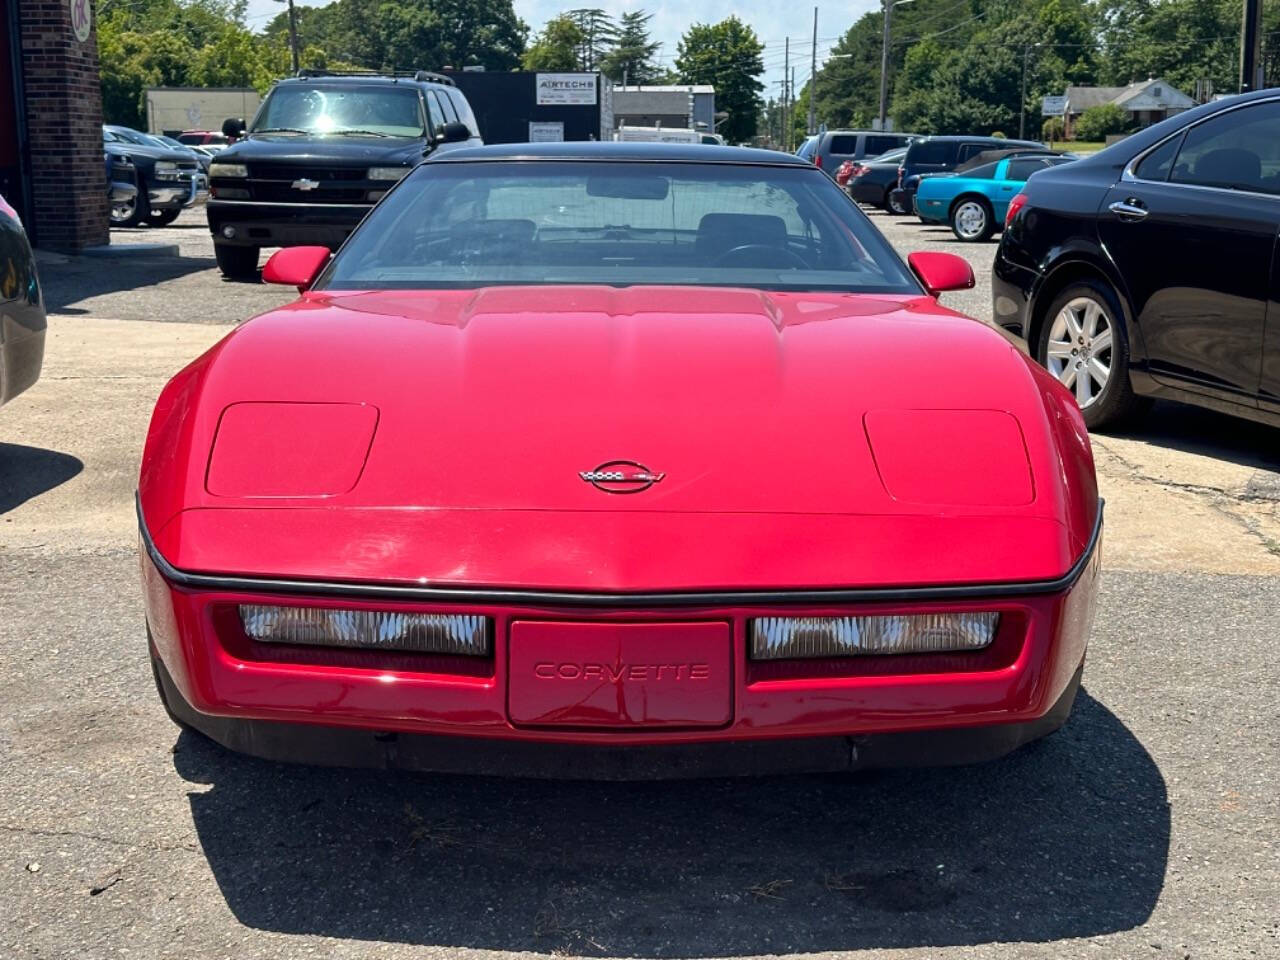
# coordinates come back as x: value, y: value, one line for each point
x: 150, y: 153
x: 471, y: 416
x: 331, y: 150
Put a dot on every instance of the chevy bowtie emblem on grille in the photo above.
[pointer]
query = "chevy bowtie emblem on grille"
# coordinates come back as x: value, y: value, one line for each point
x: 305, y: 184
x: 621, y: 476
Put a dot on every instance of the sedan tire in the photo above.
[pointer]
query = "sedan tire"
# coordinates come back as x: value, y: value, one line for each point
x: 972, y: 220
x: 895, y: 205
x: 133, y: 212
x: 162, y: 218
x: 1082, y: 342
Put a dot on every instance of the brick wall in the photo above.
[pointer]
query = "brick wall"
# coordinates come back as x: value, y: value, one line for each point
x: 64, y: 127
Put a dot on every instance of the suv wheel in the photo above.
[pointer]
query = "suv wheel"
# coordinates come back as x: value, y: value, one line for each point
x: 237, y: 263
x: 1083, y: 344
x: 132, y: 212
x: 971, y: 220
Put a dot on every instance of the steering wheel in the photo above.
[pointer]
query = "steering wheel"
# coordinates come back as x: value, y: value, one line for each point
x: 760, y: 255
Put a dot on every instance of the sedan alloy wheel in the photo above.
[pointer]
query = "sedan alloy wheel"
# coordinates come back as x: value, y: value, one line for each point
x: 1080, y: 349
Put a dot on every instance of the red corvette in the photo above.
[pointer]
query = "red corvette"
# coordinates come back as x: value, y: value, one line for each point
x: 618, y: 459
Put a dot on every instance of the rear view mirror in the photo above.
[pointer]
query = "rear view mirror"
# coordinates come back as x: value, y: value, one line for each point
x: 296, y: 266
x: 454, y: 133
x: 940, y: 272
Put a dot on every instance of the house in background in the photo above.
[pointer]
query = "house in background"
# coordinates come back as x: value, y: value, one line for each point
x: 1146, y: 103
x: 690, y: 106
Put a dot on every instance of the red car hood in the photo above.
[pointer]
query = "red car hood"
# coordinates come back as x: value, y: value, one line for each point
x: 803, y: 439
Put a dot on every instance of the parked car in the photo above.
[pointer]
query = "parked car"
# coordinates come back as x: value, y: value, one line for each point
x: 938, y: 155
x: 479, y: 531
x: 122, y: 182
x: 806, y: 150
x: 204, y: 138
x: 22, y: 324
x: 168, y: 179
x: 871, y: 181
x: 323, y: 148
x: 836, y: 146
x: 974, y: 202
x: 1147, y: 270
x: 201, y: 157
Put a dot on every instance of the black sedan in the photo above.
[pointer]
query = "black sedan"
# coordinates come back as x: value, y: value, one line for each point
x: 1147, y: 269
x: 873, y: 180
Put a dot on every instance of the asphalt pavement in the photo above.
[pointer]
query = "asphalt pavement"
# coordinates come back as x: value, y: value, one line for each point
x: 1147, y: 827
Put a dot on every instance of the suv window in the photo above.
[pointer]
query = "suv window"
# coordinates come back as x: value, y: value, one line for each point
x: 465, y: 114
x: 843, y: 143
x: 1238, y: 150
x: 450, y: 115
x: 880, y: 144
x: 930, y: 152
x: 437, y: 114
x: 1022, y: 169
x: 968, y: 150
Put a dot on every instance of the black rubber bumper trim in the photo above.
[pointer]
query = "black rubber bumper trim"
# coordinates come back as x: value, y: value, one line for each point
x: 319, y: 745
x: 553, y: 598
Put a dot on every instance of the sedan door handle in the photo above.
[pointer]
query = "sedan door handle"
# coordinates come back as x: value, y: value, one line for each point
x: 1128, y: 210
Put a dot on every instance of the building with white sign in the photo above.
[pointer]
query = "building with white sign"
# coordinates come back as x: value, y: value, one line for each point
x: 1146, y: 103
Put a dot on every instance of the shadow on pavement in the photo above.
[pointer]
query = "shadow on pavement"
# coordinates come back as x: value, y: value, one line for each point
x: 27, y: 472
x: 1066, y: 838
x: 1211, y: 434
x: 67, y: 284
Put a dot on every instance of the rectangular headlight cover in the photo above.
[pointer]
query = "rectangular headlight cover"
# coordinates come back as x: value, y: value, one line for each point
x: 787, y: 638
x: 462, y: 634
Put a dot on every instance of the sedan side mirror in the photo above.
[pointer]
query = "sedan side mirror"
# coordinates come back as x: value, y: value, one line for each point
x: 454, y: 133
x: 296, y: 266
x: 940, y: 272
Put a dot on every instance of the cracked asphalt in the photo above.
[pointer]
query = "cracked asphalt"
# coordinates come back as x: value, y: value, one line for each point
x: 1147, y: 827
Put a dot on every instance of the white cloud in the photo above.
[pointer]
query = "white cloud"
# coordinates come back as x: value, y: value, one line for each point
x: 772, y: 22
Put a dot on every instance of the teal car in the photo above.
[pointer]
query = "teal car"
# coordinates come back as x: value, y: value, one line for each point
x: 974, y: 201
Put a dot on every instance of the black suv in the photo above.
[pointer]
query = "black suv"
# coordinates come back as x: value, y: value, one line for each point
x: 939, y: 155
x: 323, y: 149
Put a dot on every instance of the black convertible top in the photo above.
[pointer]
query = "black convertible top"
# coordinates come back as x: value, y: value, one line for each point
x: 596, y: 150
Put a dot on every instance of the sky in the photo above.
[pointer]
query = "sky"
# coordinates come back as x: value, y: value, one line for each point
x: 772, y: 20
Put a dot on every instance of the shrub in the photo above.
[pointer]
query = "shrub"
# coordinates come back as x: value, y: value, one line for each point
x: 1097, y: 123
x: 1051, y: 129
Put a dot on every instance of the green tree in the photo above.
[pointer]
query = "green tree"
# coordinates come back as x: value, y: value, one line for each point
x: 1097, y: 123
x: 728, y: 55
x: 631, y: 59
x: 599, y: 35
x: 556, y: 48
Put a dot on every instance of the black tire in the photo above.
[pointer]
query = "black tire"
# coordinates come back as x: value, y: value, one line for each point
x: 141, y: 208
x: 162, y: 218
x: 972, y: 220
x: 237, y: 263
x: 884, y: 201
x: 895, y: 206
x: 1116, y: 403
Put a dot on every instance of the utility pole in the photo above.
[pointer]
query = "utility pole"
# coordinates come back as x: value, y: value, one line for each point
x: 1022, y: 101
x: 888, y: 6
x: 786, y: 72
x: 792, y: 105
x: 1251, y: 47
x: 293, y: 34
x: 812, y: 126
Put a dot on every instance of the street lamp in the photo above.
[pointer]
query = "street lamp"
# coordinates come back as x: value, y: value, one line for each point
x: 884, y: 59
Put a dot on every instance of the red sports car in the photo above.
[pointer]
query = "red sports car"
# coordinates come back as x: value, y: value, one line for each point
x: 618, y: 459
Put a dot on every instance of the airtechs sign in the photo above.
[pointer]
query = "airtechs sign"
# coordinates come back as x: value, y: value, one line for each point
x: 81, y: 18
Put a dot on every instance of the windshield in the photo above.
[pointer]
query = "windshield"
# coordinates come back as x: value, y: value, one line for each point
x: 351, y: 111
x: 472, y: 224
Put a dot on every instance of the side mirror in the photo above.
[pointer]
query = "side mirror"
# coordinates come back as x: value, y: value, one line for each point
x: 940, y: 272
x: 233, y: 128
x: 454, y: 133
x: 296, y: 266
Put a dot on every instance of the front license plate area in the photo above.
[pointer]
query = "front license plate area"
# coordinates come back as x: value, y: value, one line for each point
x: 620, y: 676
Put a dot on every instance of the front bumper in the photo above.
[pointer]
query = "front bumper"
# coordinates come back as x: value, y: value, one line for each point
x: 173, y: 194
x: 262, y: 224
x: 249, y: 696
x: 931, y: 211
